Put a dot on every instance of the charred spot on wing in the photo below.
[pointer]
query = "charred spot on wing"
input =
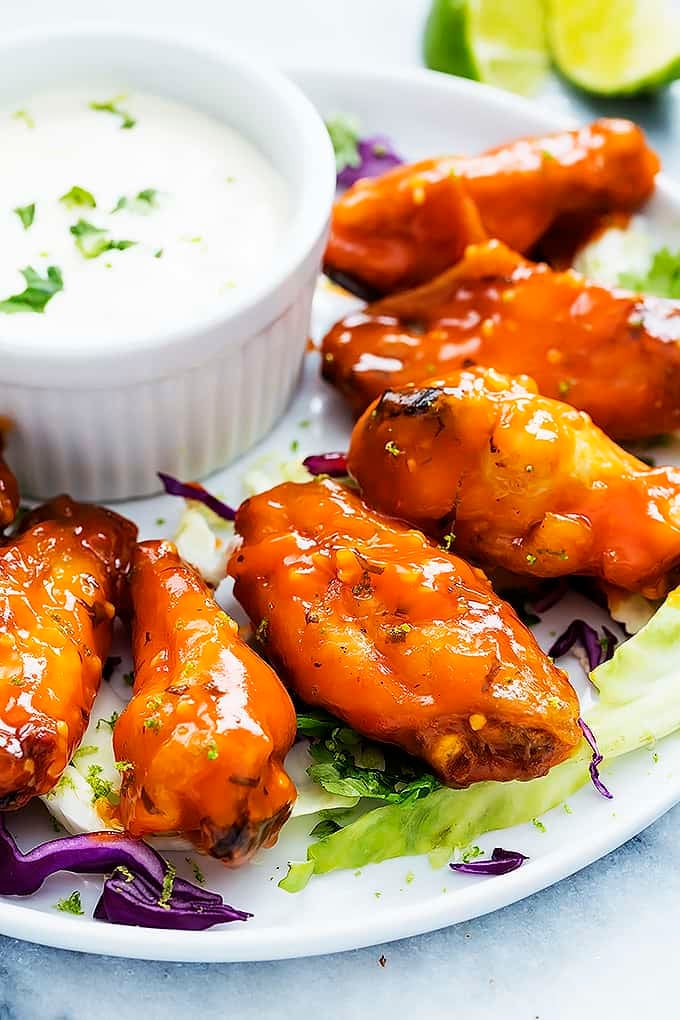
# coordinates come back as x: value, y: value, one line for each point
x: 409, y: 402
x: 354, y: 286
x: 240, y: 841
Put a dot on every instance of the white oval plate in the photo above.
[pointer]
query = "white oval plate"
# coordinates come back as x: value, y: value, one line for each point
x: 424, y: 114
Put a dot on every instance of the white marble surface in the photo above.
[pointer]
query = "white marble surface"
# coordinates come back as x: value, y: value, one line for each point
x: 601, y: 944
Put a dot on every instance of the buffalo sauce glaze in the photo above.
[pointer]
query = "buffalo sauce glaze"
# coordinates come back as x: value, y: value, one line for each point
x: 204, y: 737
x: 9, y: 493
x: 401, y: 640
x: 524, y: 482
x: 403, y: 228
x: 60, y: 583
x: 612, y: 354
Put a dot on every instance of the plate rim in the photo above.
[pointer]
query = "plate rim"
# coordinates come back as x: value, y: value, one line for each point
x: 238, y: 943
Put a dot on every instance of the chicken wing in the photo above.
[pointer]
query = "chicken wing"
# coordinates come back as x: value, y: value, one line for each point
x: 61, y: 579
x: 401, y: 640
x: 610, y: 353
x: 403, y: 228
x: 209, y: 723
x: 522, y: 481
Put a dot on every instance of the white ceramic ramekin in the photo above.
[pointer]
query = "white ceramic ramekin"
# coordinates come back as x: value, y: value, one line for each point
x: 100, y: 423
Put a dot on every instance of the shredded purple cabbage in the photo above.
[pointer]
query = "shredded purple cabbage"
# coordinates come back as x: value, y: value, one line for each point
x: 332, y: 464
x: 552, y: 596
x: 191, y: 490
x: 141, y: 889
x: 500, y: 863
x: 376, y: 155
x: 596, y: 760
x: 598, y: 648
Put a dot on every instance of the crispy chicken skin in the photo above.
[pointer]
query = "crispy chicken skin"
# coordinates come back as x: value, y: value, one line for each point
x: 61, y: 580
x: 9, y: 493
x: 209, y: 723
x: 403, y: 228
x: 401, y: 640
x: 524, y: 482
x: 610, y: 353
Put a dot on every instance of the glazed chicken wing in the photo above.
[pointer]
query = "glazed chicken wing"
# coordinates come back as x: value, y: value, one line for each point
x: 522, y: 481
x: 610, y: 353
x: 401, y: 640
x: 60, y: 582
x: 209, y: 723
x: 403, y: 228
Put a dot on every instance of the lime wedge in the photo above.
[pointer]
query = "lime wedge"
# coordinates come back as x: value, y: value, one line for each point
x: 501, y: 42
x: 615, y: 47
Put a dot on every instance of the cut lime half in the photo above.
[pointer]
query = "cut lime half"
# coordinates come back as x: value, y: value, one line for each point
x: 615, y: 47
x: 501, y: 42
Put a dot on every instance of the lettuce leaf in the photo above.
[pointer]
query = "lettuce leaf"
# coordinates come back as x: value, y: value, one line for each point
x: 639, y: 704
x: 662, y: 278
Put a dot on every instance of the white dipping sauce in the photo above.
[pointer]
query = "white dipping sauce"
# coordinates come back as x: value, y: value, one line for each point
x: 218, y: 217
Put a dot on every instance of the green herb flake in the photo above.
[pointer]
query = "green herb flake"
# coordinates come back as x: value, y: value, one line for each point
x: 84, y: 751
x: 158, y: 253
x: 154, y: 723
x: 129, y: 678
x: 655, y: 757
x: 538, y: 824
x: 397, y: 634
x: 213, y: 753
x: 26, y: 214
x: 93, y: 241
x: 160, y: 521
x: 409, y: 877
x: 304, y: 424
x: 125, y: 872
x: 567, y: 809
x: 531, y: 559
x: 392, y: 448
x: 447, y: 542
x: 123, y: 766
x: 143, y: 202
x: 662, y: 279
x: 102, y: 789
x: 547, y: 156
x: 110, y: 722
x: 168, y: 884
x: 471, y: 853
x: 78, y: 196
x: 262, y: 632
x: 344, y: 134
x: 38, y: 291
x: 70, y: 905
x: 198, y: 874
x: 113, y: 106
x: 25, y: 116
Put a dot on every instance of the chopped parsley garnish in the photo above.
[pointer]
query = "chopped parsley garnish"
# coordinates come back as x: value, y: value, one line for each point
x: 347, y: 764
x: 662, y: 279
x: 471, y: 853
x: 78, y: 196
x: 25, y: 116
x: 110, y: 722
x: 93, y: 241
x: 213, y: 753
x: 548, y: 157
x: 143, y: 202
x: 538, y: 824
x: 101, y: 788
x: 295, y: 446
x: 198, y: 874
x: 344, y: 133
x: 84, y: 751
x: 391, y: 447
x: 531, y: 559
x: 262, y: 632
x: 26, y: 214
x: 125, y: 872
x: 113, y: 106
x: 160, y: 521
x: 70, y: 905
x: 123, y: 766
x: 38, y: 291
x: 158, y: 254
x: 398, y: 633
x: 153, y: 723
x: 447, y: 542
x: 168, y: 884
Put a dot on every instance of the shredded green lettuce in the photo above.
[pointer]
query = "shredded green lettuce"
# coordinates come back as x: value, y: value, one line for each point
x: 639, y: 704
x: 344, y: 132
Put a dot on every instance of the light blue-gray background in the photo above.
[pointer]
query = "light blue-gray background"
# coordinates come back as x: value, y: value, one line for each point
x: 603, y: 944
